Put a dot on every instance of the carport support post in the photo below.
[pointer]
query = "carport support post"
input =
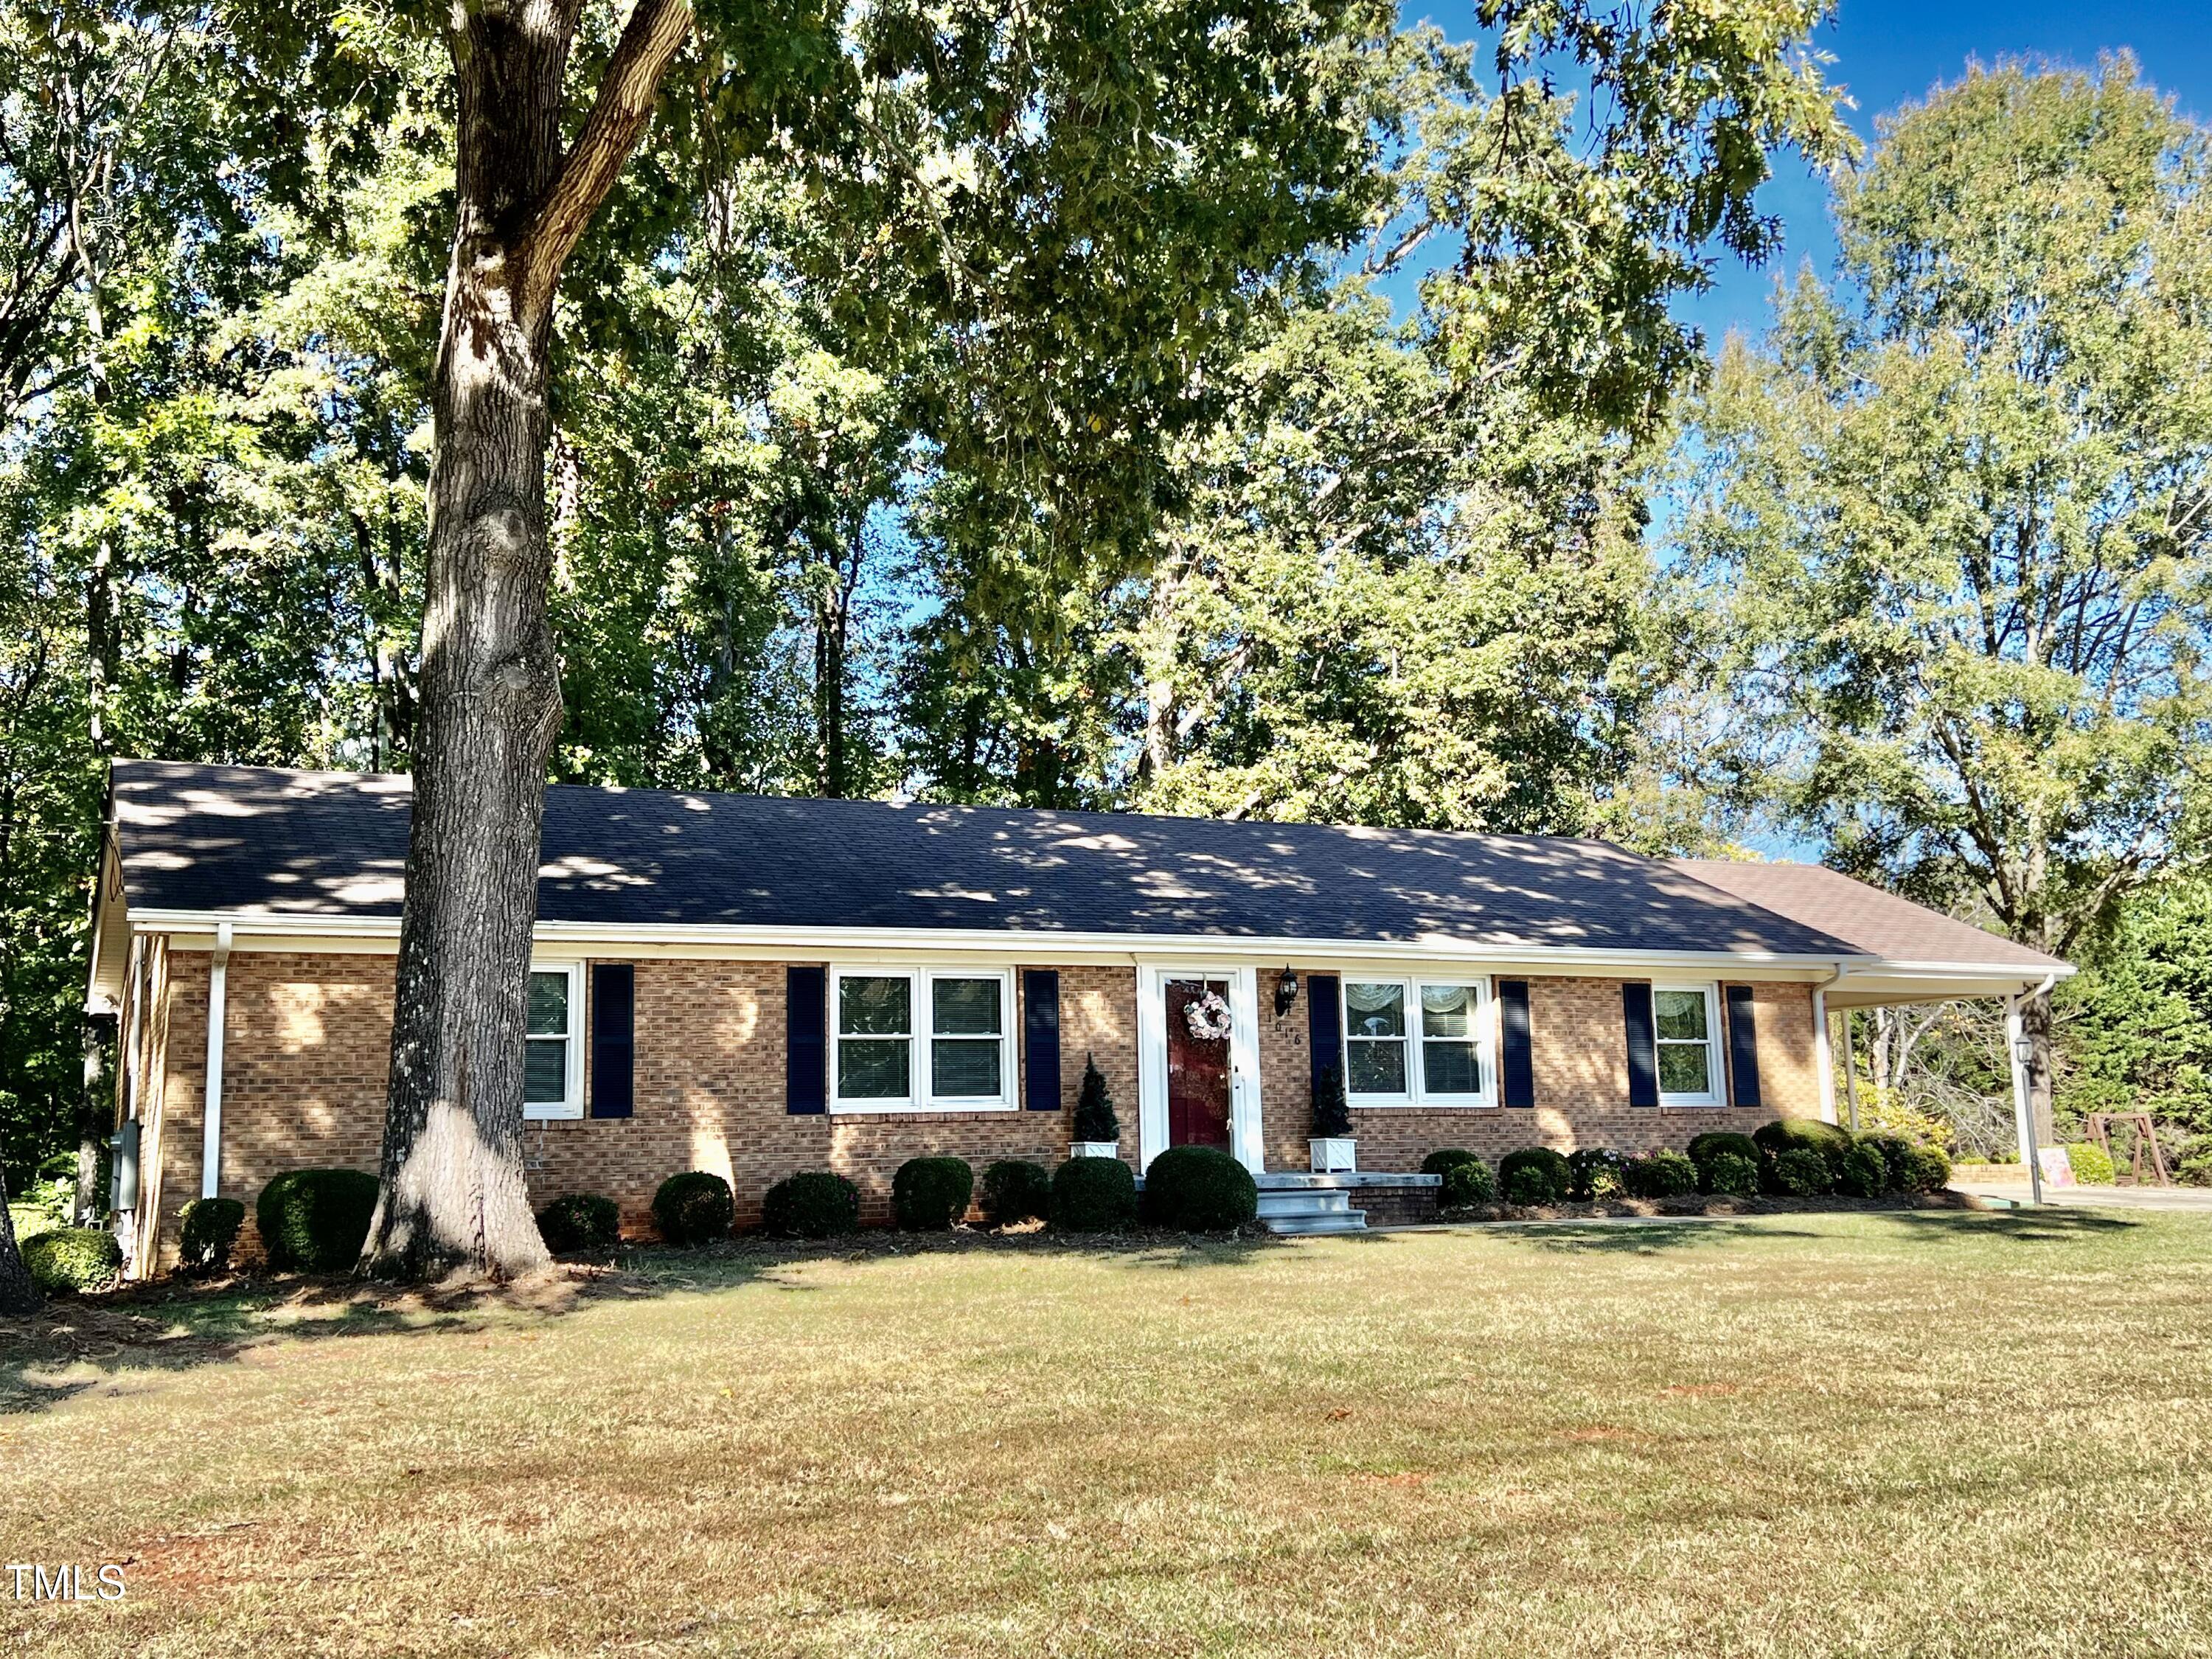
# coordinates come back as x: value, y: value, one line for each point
x: 2023, y: 1114
x: 1850, y: 1072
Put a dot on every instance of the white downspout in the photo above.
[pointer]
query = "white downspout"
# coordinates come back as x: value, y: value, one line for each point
x: 211, y: 1130
x: 1824, y: 1058
x: 2023, y: 1113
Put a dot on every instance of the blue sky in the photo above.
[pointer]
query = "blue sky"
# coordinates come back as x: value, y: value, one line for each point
x: 1889, y: 52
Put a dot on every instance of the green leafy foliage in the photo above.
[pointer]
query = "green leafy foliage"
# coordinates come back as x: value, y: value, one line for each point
x: 1663, y: 1174
x: 1467, y: 1181
x: 1594, y: 1173
x: 696, y: 1207
x: 1713, y: 1142
x: 1827, y: 1141
x: 1437, y: 1162
x: 1862, y: 1172
x: 1927, y: 1170
x: 1095, y: 1120
x: 207, y: 1228
x: 2090, y: 1163
x: 1015, y: 1190
x: 1801, y: 1171
x: 1094, y: 1196
x: 581, y: 1224
x: 73, y: 1259
x: 1199, y: 1189
x: 813, y: 1204
x: 1534, y: 1176
x: 1729, y: 1175
x: 928, y: 1194
x: 1332, y: 1106
x: 315, y: 1220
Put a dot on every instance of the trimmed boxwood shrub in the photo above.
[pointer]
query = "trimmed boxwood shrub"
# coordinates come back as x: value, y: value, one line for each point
x: 816, y: 1204
x: 1729, y: 1174
x: 1926, y: 1169
x: 209, y: 1227
x: 1095, y: 1119
x: 1594, y: 1173
x: 928, y: 1194
x: 1864, y: 1173
x: 695, y: 1208
x: 1711, y: 1145
x: 1467, y: 1183
x: 2092, y: 1163
x: 1014, y: 1190
x: 581, y: 1224
x: 1665, y: 1174
x: 1801, y: 1172
x: 73, y: 1258
x: 1093, y: 1196
x: 1894, y: 1150
x: 1437, y: 1163
x: 316, y: 1219
x: 1827, y: 1141
x: 1535, y: 1175
x: 1199, y: 1189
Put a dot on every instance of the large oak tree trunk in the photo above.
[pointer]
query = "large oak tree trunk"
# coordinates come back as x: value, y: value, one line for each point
x: 452, y: 1190
x: 19, y: 1295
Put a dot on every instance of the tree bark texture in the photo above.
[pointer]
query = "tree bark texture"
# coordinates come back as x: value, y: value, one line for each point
x: 18, y: 1294
x: 453, y: 1194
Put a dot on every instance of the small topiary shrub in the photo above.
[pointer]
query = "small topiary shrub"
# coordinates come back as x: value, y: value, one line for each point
x: 209, y: 1227
x: 1437, y: 1163
x: 1827, y: 1141
x: 316, y: 1219
x: 581, y: 1224
x: 1711, y: 1145
x: 1332, y: 1108
x: 1863, y: 1173
x: 73, y: 1259
x: 1594, y: 1173
x: 695, y: 1208
x: 1664, y: 1173
x: 2092, y: 1163
x: 1926, y: 1169
x: 1199, y: 1189
x: 816, y: 1204
x: 1729, y: 1174
x: 1801, y: 1172
x: 1467, y: 1183
x: 1094, y: 1106
x: 1016, y: 1191
x: 928, y: 1194
x: 1894, y: 1150
x: 1535, y: 1175
x: 1093, y: 1196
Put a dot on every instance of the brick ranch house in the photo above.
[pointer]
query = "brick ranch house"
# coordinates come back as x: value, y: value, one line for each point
x: 756, y: 987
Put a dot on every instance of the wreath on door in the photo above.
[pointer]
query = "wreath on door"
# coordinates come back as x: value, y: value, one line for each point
x: 1208, y: 1018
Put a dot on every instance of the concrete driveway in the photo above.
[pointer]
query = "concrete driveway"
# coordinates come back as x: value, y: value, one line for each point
x: 2096, y: 1198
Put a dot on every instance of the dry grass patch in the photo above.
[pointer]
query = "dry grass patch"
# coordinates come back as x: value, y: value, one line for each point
x: 1879, y: 1434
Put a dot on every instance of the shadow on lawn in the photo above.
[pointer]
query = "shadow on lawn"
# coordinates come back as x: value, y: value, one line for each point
x: 1676, y: 1235
x: 179, y: 1324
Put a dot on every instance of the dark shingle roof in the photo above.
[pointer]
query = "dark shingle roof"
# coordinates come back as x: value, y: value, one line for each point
x: 1878, y: 923
x: 260, y: 841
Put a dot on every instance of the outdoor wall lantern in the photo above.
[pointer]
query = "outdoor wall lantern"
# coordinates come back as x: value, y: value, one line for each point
x: 2024, y: 1052
x: 1286, y: 993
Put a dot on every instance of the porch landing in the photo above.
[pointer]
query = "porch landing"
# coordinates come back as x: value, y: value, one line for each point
x: 1298, y: 1201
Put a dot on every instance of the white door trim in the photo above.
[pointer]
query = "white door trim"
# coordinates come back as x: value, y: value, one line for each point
x: 1245, y: 1139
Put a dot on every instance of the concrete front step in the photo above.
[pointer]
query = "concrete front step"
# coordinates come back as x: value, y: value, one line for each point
x: 1317, y: 1221
x: 1274, y: 1202
x: 1309, y: 1210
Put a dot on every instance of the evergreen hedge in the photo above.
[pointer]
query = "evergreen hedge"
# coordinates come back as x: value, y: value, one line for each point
x: 209, y: 1228
x: 928, y: 1194
x: 316, y: 1219
x: 1199, y: 1189
x: 818, y: 1203
x: 1534, y: 1176
x: 694, y: 1207
x: 1014, y: 1190
x: 73, y: 1259
x: 1093, y: 1196
x: 581, y: 1224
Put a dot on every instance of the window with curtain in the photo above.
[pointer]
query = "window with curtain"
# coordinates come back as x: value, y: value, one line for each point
x: 1375, y: 1037
x: 1451, y: 1049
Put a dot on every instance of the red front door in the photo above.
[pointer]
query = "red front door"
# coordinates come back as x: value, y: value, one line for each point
x: 1198, y: 1071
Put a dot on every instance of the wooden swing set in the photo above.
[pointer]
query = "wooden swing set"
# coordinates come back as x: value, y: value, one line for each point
x: 2101, y: 1125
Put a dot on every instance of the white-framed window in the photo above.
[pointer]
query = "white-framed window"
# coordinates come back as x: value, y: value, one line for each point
x: 915, y: 1040
x: 553, y: 1044
x: 1417, y: 1041
x: 1686, y: 1026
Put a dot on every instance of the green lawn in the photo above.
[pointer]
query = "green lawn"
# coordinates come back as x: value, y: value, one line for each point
x: 1878, y: 1434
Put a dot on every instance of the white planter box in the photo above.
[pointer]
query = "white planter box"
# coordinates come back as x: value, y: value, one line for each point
x: 1094, y: 1149
x: 1333, y: 1157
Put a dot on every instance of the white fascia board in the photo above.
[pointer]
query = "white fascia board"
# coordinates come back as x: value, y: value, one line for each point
x: 195, y: 930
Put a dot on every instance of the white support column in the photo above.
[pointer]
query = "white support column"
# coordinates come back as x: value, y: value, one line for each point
x: 211, y: 1130
x: 1850, y: 1070
x: 2023, y: 1116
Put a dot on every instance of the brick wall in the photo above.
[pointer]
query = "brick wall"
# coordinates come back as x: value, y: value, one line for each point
x: 307, y: 1043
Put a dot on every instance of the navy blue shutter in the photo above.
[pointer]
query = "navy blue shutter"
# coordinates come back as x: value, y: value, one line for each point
x: 1324, y: 1022
x: 1040, y: 1039
x: 1743, y: 1047
x: 1517, y: 1063
x: 614, y: 1038
x: 1643, y: 1052
x: 806, y: 1058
